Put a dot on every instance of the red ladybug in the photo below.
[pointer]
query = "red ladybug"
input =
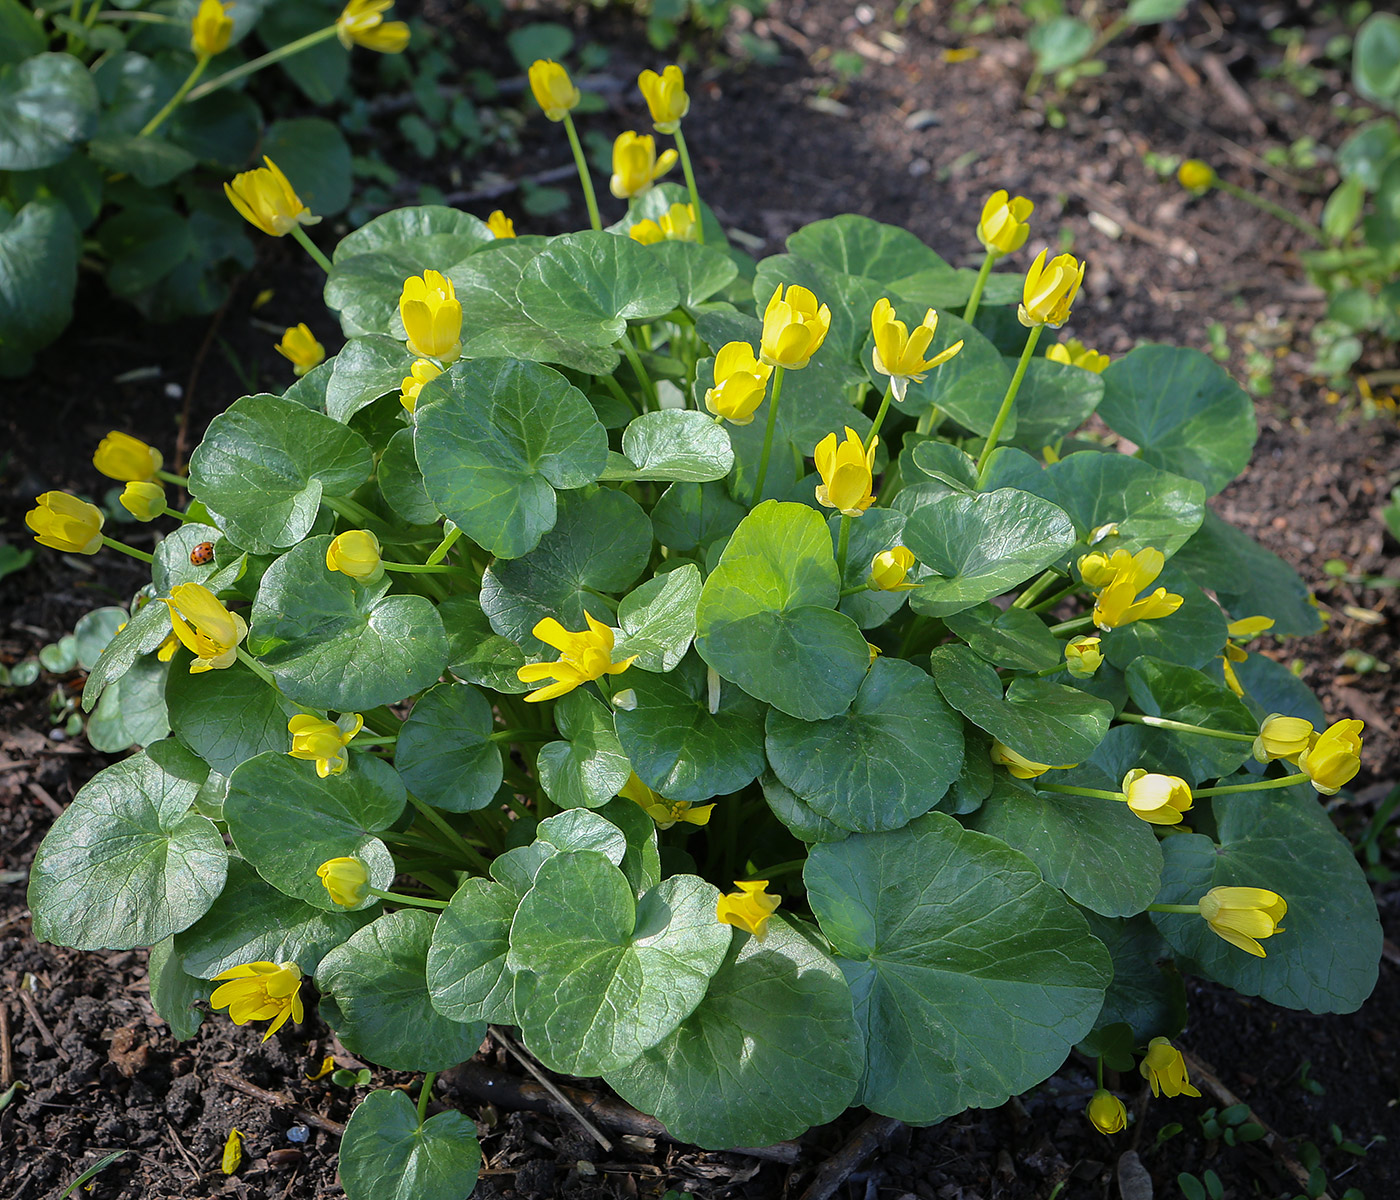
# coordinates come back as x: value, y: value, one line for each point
x: 202, y: 555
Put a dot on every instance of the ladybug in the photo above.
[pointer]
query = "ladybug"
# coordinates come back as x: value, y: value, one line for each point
x: 202, y: 555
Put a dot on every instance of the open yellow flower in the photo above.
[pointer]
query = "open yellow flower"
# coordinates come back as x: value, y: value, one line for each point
x: 1334, y: 757
x: 356, y: 553
x: 666, y: 98
x: 211, y: 28
x: 432, y: 316
x: 144, y: 501
x: 1165, y: 1069
x: 647, y: 232
x: 741, y: 382
x: 847, y: 471
x: 124, y: 458
x: 1283, y: 737
x: 679, y: 223
x: 794, y: 328
x: 260, y: 991
x: 423, y: 371
x: 1106, y: 1112
x: 1050, y: 290
x: 1118, y: 603
x: 362, y: 23
x: 664, y: 812
x: 636, y: 165
x: 1074, y: 353
x: 749, y: 908
x: 1083, y: 656
x: 1158, y: 799
x: 583, y: 657
x: 554, y: 91
x: 300, y: 348
x: 1003, y: 227
x: 1242, y: 915
x: 264, y: 197
x: 205, y: 627
x: 899, y: 353
x: 324, y: 742
x: 889, y: 569
x: 63, y: 522
x: 345, y: 879
x: 500, y: 225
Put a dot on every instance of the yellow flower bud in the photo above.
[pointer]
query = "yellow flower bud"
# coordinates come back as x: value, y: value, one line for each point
x: 1083, y: 656
x: 500, y: 225
x: 1165, y: 1069
x: 1003, y: 228
x: 582, y: 657
x: 324, y: 742
x: 889, y: 568
x: 362, y: 23
x: 1050, y: 290
x: 263, y: 197
x: 554, y: 90
x: 346, y: 880
x: 1106, y: 1112
x: 1194, y: 175
x: 847, y: 471
x: 636, y: 165
x: 1158, y: 799
x: 211, y: 28
x: 1019, y: 765
x: 300, y: 348
x: 1283, y: 737
x: 423, y: 371
x: 124, y: 458
x: 741, y: 382
x: 793, y: 328
x: 647, y: 231
x: 63, y: 522
x: 899, y: 353
x: 679, y: 223
x: 1242, y: 915
x: 144, y: 501
x: 749, y: 908
x: 432, y: 316
x: 665, y: 97
x: 1333, y: 758
x: 1074, y: 353
x: 355, y: 553
x: 260, y: 991
x: 205, y: 627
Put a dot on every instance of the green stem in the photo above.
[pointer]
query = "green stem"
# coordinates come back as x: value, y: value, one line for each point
x: 183, y: 518
x: 851, y: 591
x: 458, y: 842
x: 783, y: 868
x: 424, y: 1094
x: 1028, y: 597
x: 417, y: 568
x: 778, y: 373
x: 842, y: 544
x: 311, y: 248
x: 624, y: 343
x: 116, y: 14
x: 1274, y: 210
x: 977, y: 288
x: 266, y: 60
x: 113, y: 544
x: 583, y: 173
x: 690, y: 183
x: 1229, y: 789
x: 1106, y: 35
x: 1193, y: 909
x: 1067, y: 790
x: 258, y: 669
x: 622, y: 393
x: 174, y: 102
x: 1010, y: 398
x: 448, y: 541
x: 1100, y: 1072
x: 1051, y: 601
x: 880, y: 413
x: 401, y: 898
x: 349, y: 509
x: 523, y: 735
x: 177, y: 480
x: 1183, y: 727
x: 1073, y: 626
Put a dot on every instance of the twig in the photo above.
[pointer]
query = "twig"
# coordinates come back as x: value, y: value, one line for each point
x: 182, y: 437
x: 7, y: 1064
x: 27, y: 999
x: 306, y: 1116
x: 548, y: 1084
x: 873, y: 1134
x: 185, y: 1154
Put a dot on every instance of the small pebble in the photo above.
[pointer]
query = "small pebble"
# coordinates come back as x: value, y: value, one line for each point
x: 174, y: 391
x: 57, y: 735
x: 298, y: 1133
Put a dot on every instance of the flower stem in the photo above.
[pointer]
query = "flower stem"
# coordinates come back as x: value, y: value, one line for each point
x: 113, y: 544
x: 458, y: 842
x: 311, y: 248
x: 778, y: 373
x: 174, y: 102
x: 621, y: 393
x: 977, y: 288
x: 792, y: 866
x: 417, y: 568
x: 1067, y: 790
x: 1183, y: 727
x: 1274, y: 210
x: 266, y: 60
x: 690, y: 183
x: 880, y: 413
x: 177, y: 480
x: 851, y: 591
x: 1029, y: 596
x: 425, y: 1094
x: 258, y: 669
x: 1051, y: 601
x: 401, y: 898
x: 350, y: 509
x: 449, y: 539
x: 624, y: 343
x: 1194, y: 909
x: 1071, y: 626
x: 523, y: 735
x: 584, y: 177
x: 1010, y: 398
x: 1265, y: 785
x: 842, y: 544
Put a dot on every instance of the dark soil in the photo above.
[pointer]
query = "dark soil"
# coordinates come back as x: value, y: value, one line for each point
x: 916, y: 140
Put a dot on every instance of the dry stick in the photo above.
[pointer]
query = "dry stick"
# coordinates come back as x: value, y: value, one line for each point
x: 873, y: 1134
x: 183, y: 435
x: 185, y: 1154
x: 27, y: 999
x: 549, y: 1086
x: 6, y: 1061
x: 1200, y: 1073
x: 304, y: 1115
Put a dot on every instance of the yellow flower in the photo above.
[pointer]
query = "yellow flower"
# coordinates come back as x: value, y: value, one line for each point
x: 1283, y: 737
x: 362, y: 23
x: 793, y: 328
x: 144, y: 501
x: 899, y: 353
x: 1248, y: 627
x: 500, y: 225
x: 300, y: 348
x: 261, y: 991
x: 423, y: 371
x: 847, y: 472
x: 647, y: 232
x: 63, y: 522
x: 211, y: 28
x: 166, y: 650
x: 124, y: 458
x: 1194, y: 175
x: 554, y: 90
x: 1164, y: 1068
x: 1099, y: 569
x: 1232, y: 655
x: 1018, y: 764
x: 1050, y: 290
x: 1083, y: 656
x: 1333, y: 758
x: 432, y: 316
x: 1106, y: 1112
x: 582, y: 657
x: 889, y: 568
x: 1117, y: 603
x: 324, y: 742
x: 1074, y: 353
x: 1242, y: 915
x: 741, y: 382
x: 679, y: 223
x: 263, y: 197
x: 346, y: 880
x: 1003, y: 228
x: 355, y: 553
x: 206, y: 628
x: 636, y: 165
x: 1157, y: 799
x: 665, y: 97
x: 749, y: 908
x: 664, y: 812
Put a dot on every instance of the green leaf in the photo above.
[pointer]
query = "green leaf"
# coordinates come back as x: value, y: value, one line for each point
x: 334, y: 642
x: 1060, y: 42
x: 587, y: 286
x: 264, y: 465
x: 1191, y: 636
x: 1010, y: 637
x: 1270, y: 687
x: 1164, y: 689
x: 494, y: 438
x: 127, y: 864
x: 148, y: 627
x: 887, y: 760
x: 320, y: 71
x: 476, y: 654
x: 1375, y: 63
x: 983, y: 545
x: 132, y: 711
x: 641, y: 861
x: 1327, y: 955
x: 614, y: 976
x: 1150, y: 507
x: 401, y: 482
x: 570, y: 830
x: 972, y: 976
x: 94, y: 632
x: 587, y: 769
x: 679, y: 747
x: 172, y: 564
x: 375, y: 996
x: 1098, y: 852
x: 286, y: 821
x: 1055, y: 399
x: 767, y: 618
x: 150, y: 161
x: 1147, y: 993
x: 220, y: 129
x: 48, y: 104
x: 226, y: 717
x: 740, y: 1069
x: 672, y: 445
x: 367, y: 368
x: 877, y: 530
x: 387, y: 1155
x: 1154, y: 12
x: 316, y: 159
x: 468, y: 979
x: 1365, y: 155
x: 38, y: 276
x: 1183, y: 411
x: 445, y: 754
x: 699, y: 271
x: 1046, y: 722
x: 21, y: 35
x: 799, y: 816
x: 175, y: 994
x: 144, y: 244
x: 689, y: 515
x: 657, y: 620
